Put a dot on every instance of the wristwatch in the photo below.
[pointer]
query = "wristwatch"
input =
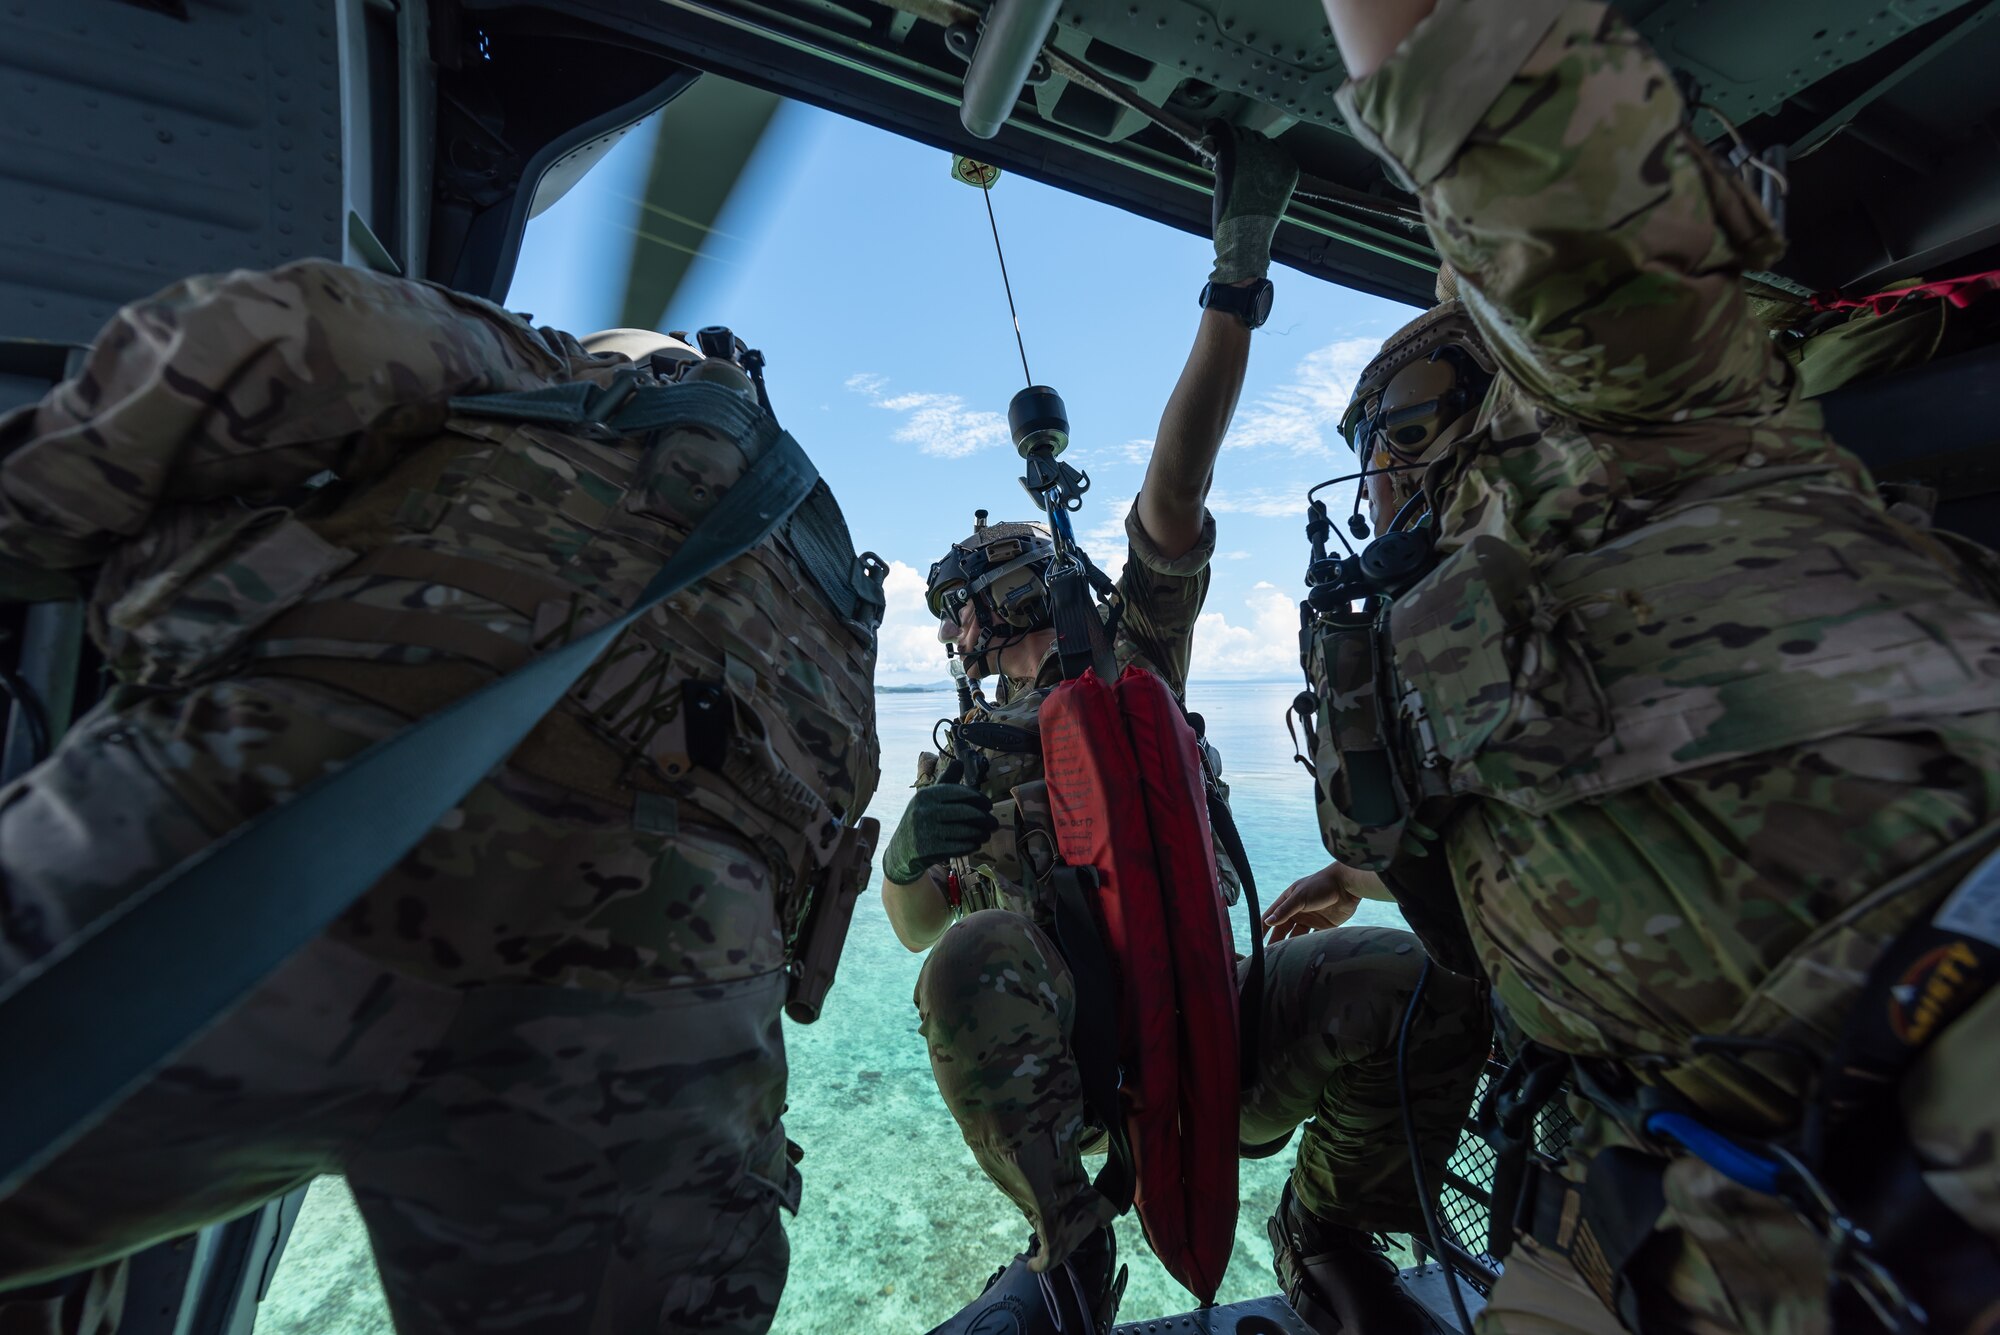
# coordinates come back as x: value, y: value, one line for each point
x: 1251, y: 305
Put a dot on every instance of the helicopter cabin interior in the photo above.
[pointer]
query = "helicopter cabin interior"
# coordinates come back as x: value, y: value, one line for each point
x: 148, y: 139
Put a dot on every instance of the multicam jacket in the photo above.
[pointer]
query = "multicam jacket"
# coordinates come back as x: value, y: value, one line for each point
x: 1654, y: 557
x: 1162, y: 599
x: 263, y: 473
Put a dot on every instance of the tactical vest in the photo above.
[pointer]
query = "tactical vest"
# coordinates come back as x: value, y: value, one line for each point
x: 514, y: 522
x: 1011, y: 871
x: 1752, y: 612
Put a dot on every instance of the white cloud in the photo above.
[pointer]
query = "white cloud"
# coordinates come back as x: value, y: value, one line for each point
x: 1107, y: 524
x: 1265, y: 503
x: 1131, y: 452
x: 907, y: 644
x: 1302, y: 415
x: 1265, y: 646
x: 938, y: 424
x: 1236, y: 556
x: 1105, y: 538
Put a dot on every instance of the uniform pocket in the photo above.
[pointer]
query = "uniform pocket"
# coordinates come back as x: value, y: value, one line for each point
x: 1357, y: 791
x: 1506, y: 695
x: 192, y: 615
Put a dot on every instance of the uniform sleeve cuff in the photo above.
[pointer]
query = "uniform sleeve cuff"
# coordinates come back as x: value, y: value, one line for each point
x: 1417, y: 110
x: 1147, y: 553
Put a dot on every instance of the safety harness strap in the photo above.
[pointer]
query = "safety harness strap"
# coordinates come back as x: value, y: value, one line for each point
x: 1602, y: 1226
x: 90, y: 1021
x: 1927, y: 977
x: 1001, y: 737
x: 816, y: 531
x: 1081, y: 642
x: 1506, y: 1121
x: 1923, y: 982
x: 1250, y: 997
x: 1094, y: 1031
x: 1950, y: 1268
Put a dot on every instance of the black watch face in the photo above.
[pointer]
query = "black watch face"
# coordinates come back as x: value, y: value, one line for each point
x: 1260, y: 303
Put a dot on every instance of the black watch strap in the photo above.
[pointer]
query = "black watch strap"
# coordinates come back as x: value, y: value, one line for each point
x: 1251, y: 305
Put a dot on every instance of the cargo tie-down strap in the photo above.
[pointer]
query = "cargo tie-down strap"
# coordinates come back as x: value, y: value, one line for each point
x: 91, y: 1021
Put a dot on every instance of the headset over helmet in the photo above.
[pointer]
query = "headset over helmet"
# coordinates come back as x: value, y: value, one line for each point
x: 1002, y: 570
x: 1420, y: 393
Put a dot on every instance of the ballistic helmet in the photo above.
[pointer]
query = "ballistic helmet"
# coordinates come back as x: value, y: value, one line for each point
x: 1422, y: 391
x: 1002, y: 570
x: 642, y: 345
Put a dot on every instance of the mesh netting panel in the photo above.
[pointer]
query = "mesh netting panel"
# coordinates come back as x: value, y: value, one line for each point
x: 1465, y: 1200
x: 1553, y: 1126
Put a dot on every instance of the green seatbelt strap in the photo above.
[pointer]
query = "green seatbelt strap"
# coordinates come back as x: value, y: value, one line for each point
x: 89, y: 1023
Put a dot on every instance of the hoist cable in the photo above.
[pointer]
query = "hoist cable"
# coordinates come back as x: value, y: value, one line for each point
x: 987, y: 192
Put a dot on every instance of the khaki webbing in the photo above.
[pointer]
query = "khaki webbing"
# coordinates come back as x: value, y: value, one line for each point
x: 513, y: 588
x: 356, y: 623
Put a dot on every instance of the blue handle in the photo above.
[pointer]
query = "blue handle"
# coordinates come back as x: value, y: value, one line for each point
x: 1718, y: 1151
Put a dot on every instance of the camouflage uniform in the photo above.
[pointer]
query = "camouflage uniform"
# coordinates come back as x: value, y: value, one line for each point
x: 998, y: 1001
x: 545, y: 1049
x: 1719, y: 725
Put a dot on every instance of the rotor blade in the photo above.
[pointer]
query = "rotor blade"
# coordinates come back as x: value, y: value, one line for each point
x: 707, y: 136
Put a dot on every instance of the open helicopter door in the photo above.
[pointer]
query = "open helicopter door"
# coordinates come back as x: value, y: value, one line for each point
x: 169, y: 141
x: 210, y: 1281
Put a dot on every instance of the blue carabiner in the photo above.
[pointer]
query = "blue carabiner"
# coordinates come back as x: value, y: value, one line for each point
x: 1718, y: 1151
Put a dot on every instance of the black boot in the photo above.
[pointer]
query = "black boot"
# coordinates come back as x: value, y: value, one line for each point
x: 1339, y: 1280
x: 1078, y: 1297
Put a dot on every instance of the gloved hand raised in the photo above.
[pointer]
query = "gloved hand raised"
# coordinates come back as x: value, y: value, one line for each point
x: 943, y: 821
x: 1253, y: 183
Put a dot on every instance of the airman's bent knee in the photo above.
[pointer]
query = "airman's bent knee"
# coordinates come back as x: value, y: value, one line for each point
x: 982, y: 945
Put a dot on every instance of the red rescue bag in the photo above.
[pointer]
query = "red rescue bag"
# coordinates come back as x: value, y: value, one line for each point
x: 1127, y: 797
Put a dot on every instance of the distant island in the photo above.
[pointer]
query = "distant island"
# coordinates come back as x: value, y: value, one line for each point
x: 911, y: 690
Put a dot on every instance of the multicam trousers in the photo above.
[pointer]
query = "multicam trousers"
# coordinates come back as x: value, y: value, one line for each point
x: 998, y: 1003
x: 544, y: 1050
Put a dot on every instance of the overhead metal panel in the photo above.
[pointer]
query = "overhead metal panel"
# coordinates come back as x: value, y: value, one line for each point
x: 1749, y: 58
x: 137, y: 147
x: 1277, y: 52
x: 870, y: 76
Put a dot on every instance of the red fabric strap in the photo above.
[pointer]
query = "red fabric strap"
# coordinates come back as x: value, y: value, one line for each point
x: 1960, y: 292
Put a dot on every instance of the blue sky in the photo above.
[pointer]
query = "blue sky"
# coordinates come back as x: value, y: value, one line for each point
x: 866, y: 275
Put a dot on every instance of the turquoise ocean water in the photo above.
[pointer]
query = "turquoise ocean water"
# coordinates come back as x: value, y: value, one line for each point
x: 898, y: 1228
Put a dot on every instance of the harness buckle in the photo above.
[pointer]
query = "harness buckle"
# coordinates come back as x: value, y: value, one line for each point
x: 1411, y: 708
